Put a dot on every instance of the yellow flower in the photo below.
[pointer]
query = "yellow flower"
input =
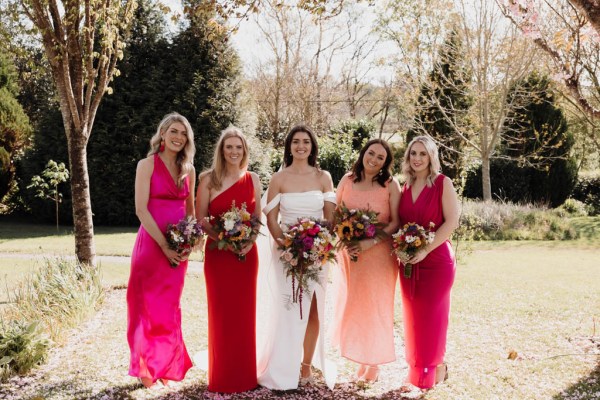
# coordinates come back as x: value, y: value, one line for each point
x: 360, y: 226
x: 417, y: 242
x: 344, y: 230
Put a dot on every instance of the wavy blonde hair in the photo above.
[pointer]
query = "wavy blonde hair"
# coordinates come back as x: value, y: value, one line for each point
x: 434, y: 160
x: 217, y: 169
x: 185, y: 158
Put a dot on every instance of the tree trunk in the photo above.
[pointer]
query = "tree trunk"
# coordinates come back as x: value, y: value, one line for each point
x: 485, y: 178
x: 80, y: 192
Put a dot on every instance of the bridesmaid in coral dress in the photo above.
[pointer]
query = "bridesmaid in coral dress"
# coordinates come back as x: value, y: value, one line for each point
x: 163, y: 195
x: 428, y: 196
x: 364, y: 309
x: 230, y: 283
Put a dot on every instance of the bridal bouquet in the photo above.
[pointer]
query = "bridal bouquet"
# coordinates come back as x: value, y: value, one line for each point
x: 306, y: 246
x: 409, y: 240
x: 235, y: 228
x: 352, y: 225
x: 183, y: 236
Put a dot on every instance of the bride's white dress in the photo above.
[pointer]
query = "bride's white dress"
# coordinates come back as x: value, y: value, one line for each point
x: 282, y: 346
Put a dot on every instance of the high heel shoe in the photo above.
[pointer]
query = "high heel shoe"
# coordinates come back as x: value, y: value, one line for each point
x: 146, y: 382
x: 371, y: 370
x: 358, y: 375
x: 306, y: 380
x: 441, y: 373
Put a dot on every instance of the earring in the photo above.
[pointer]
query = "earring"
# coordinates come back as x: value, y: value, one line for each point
x: 162, y: 145
x: 381, y: 171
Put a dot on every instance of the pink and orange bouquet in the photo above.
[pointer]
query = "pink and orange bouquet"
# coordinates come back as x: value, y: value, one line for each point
x: 306, y: 246
x: 409, y: 240
x: 183, y: 236
x: 352, y: 225
x: 235, y: 228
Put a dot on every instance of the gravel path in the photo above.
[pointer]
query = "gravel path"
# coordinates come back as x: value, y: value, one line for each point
x: 93, y: 363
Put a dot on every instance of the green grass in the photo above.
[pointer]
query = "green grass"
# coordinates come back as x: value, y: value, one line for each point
x: 43, y: 239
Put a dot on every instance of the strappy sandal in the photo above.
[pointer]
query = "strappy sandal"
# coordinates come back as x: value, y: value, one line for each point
x: 308, y: 380
x: 439, y: 375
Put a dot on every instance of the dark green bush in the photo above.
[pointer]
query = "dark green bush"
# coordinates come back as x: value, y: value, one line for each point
x: 587, y: 190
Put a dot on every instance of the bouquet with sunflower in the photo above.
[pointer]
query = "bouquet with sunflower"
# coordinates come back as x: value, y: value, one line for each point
x: 235, y: 228
x: 408, y: 240
x: 352, y: 225
x: 306, y: 246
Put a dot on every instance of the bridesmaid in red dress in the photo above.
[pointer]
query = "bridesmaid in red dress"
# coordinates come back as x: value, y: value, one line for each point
x: 230, y: 283
x: 427, y: 196
x: 163, y: 195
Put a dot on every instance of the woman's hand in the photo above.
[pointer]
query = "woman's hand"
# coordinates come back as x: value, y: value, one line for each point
x: 200, y: 244
x: 247, y: 247
x: 173, y: 256
x: 419, y: 256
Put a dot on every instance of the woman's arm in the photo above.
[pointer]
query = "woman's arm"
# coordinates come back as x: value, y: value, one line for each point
x: 143, y: 174
x: 327, y: 186
x: 202, y: 202
x: 189, y: 202
x: 273, y: 215
x: 394, y: 189
x: 257, y: 194
x: 451, y: 211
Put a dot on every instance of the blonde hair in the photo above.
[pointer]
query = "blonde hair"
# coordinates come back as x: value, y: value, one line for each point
x: 185, y: 158
x: 434, y: 160
x: 217, y: 169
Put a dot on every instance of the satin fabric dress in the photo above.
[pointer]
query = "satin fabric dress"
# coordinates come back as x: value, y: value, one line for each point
x: 365, y: 289
x: 282, y: 348
x: 154, y: 289
x: 231, y: 298
x: 426, y: 294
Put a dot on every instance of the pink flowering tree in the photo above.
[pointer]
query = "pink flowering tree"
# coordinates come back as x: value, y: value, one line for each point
x: 569, y: 32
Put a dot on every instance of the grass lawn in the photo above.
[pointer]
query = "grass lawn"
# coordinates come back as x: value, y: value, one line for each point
x: 539, y: 300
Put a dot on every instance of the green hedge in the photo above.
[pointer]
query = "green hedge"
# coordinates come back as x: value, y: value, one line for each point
x: 587, y: 190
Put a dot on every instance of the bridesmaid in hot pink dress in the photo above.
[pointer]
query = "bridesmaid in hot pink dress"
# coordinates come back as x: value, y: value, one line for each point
x: 427, y: 196
x: 164, y: 187
x: 364, y: 309
x: 230, y: 282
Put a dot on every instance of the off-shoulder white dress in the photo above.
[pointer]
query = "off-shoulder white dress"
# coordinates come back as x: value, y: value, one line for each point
x: 281, y: 352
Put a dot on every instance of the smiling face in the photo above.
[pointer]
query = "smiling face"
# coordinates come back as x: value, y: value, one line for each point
x: 175, y: 137
x: 419, y: 158
x: 233, y: 150
x: 374, y: 159
x: 301, y: 146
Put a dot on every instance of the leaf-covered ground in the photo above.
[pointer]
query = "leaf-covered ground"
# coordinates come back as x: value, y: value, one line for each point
x: 525, y: 324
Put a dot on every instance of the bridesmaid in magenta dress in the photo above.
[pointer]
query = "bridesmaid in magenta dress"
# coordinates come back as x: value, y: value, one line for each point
x: 230, y: 283
x: 427, y: 196
x: 163, y: 195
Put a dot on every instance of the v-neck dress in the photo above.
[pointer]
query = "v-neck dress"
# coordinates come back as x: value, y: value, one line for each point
x: 426, y: 294
x: 231, y: 300
x: 154, y: 289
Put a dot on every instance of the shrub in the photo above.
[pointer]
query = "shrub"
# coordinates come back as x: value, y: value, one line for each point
x: 23, y: 346
x: 336, y: 155
x: 572, y: 207
x: 61, y: 293
x: 58, y: 296
x: 507, y: 221
x: 587, y: 190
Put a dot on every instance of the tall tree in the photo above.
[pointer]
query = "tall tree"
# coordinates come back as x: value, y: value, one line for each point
x: 82, y: 42
x: 15, y: 129
x: 207, y: 82
x: 444, y: 104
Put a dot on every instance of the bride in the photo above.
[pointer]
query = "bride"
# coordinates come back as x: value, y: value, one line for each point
x: 300, y: 189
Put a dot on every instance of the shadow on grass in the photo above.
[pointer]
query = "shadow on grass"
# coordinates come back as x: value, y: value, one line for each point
x: 586, y: 388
